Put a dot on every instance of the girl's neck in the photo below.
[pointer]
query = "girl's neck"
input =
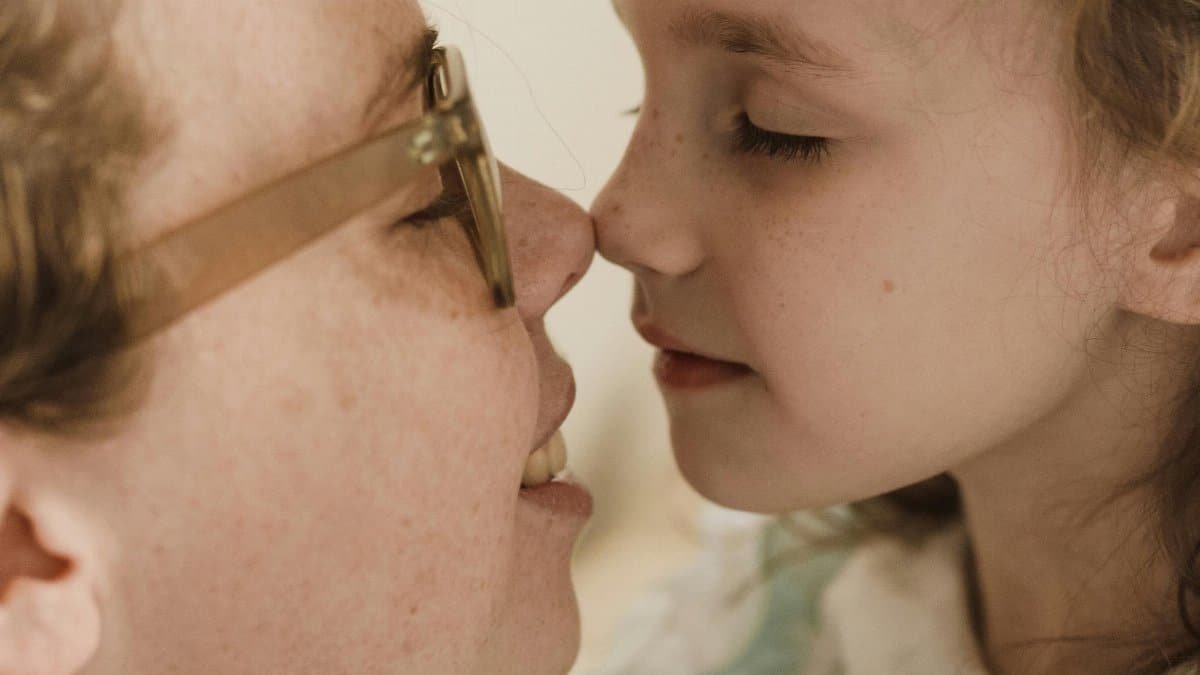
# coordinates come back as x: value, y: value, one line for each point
x: 1066, y: 557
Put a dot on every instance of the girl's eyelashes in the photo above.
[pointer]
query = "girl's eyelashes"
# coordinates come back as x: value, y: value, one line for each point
x: 449, y: 204
x: 753, y: 140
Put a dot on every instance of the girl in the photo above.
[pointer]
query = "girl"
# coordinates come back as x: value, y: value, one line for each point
x: 946, y: 252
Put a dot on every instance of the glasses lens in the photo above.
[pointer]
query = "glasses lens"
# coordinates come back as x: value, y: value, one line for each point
x: 479, y: 176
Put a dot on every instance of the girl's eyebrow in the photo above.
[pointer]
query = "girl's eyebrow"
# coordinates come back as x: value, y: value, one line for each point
x: 750, y: 34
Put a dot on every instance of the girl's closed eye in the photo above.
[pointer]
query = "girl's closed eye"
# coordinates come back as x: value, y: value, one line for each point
x: 751, y: 139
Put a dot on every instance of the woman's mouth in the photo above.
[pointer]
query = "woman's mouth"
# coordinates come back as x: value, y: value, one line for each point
x: 546, y: 462
x: 548, y: 484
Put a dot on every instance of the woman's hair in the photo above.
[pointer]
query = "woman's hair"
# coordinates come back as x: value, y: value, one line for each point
x: 71, y: 131
x: 1134, y: 66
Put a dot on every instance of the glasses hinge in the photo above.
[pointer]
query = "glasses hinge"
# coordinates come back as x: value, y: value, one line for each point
x: 443, y: 136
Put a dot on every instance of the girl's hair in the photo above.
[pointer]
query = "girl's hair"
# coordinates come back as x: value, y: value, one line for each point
x: 1135, y: 69
x: 70, y: 132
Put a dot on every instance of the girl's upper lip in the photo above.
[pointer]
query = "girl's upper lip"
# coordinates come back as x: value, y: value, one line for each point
x: 664, y: 340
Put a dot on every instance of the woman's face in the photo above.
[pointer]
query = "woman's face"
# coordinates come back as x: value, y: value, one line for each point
x: 325, y: 476
x: 849, y: 226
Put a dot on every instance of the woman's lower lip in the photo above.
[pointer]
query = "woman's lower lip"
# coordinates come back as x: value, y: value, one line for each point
x: 563, y: 496
x: 679, y: 370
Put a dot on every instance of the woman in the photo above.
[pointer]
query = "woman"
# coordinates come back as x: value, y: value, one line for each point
x: 266, y: 411
x: 881, y: 242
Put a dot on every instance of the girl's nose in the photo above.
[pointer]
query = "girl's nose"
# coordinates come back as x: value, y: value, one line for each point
x: 642, y: 216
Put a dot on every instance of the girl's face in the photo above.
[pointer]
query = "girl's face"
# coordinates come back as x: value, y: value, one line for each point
x: 851, y: 232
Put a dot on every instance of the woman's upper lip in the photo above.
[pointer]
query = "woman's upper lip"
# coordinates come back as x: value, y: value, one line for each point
x: 559, y: 417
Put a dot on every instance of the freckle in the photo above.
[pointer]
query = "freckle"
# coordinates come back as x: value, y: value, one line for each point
x: 293, y: 403
x: 888, y: 286
x: 679, y: 138
x: 347, y: 401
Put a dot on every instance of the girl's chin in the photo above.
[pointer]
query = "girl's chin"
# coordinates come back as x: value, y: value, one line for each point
x: 741, y: 476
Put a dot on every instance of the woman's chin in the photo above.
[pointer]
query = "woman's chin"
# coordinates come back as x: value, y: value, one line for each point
x: 542, y: 628
x: 538, y: 627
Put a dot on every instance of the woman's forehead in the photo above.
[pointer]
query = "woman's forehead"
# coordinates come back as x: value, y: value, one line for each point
x: 244, y: 92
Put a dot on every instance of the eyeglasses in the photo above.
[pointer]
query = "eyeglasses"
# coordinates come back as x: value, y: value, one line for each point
x: 193, y: 264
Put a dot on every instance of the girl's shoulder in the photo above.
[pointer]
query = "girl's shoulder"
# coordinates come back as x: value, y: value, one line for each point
x: 749, y: 605
x: 769, y: 597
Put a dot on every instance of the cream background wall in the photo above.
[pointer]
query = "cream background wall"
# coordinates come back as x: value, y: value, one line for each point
x: 553, y: 79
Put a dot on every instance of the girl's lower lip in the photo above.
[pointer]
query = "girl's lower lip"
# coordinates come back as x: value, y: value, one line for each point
x: 680, y: 370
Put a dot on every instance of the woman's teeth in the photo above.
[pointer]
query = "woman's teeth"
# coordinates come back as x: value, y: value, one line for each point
x: 546, y: 462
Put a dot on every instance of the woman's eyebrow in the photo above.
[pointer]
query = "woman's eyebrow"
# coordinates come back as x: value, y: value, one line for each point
x: 749, y: 34
x: 405, y: 70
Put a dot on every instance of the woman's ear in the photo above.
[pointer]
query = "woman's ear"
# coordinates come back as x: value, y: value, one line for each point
x: 1162, y: 260
x: 49, y: 613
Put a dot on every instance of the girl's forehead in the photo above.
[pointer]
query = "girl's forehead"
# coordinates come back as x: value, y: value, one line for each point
x: 870, y: 30
x: 881, y: 55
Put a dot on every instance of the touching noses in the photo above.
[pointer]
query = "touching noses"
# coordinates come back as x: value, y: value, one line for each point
x: 644, y: 216
x: 551, y: 239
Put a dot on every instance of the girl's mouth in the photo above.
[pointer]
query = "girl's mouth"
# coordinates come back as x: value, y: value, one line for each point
x: 678, y: 366
x: 683, y: 370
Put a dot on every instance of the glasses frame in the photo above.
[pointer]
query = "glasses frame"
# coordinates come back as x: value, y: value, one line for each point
x: 191, y: 265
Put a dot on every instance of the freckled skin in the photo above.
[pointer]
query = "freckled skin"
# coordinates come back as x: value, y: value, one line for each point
x: 323, y: 477
x: 793, y: 268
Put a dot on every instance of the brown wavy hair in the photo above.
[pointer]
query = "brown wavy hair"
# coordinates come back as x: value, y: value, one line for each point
x: 71, y: 131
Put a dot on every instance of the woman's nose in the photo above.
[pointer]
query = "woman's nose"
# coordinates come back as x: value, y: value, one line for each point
x: 551, y: 239
x: 642, y: 215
